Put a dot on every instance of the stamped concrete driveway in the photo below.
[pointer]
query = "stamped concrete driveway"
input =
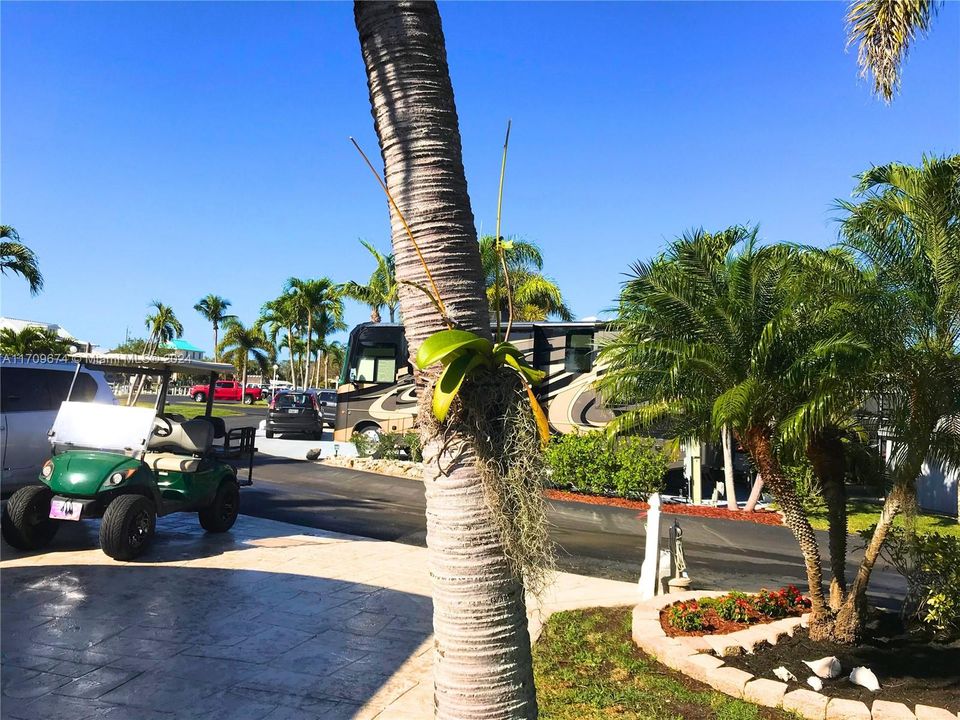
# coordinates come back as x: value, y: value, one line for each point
x: 268, y: 621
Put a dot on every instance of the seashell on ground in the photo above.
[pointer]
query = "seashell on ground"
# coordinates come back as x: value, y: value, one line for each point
x: 784, y: 674
x: 864, y: 677
x: 827, y: 668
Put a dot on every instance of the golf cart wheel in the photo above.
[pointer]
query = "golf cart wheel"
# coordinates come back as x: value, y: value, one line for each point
x: 127, y: 527
x: 248, y: 399
x: 268, y: 433
x: 199, y: 397
x: 26, y: 518
x: 222, y: 512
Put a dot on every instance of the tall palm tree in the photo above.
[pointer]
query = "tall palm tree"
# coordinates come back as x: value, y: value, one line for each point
x: 535, y: 296
x: 334, y: 352
x: 163, y: 327
x: 313, y: 298
x: 324, y: 326
x: 713, y: 335
x: 241, y: 343
x: 281, y: 314
x: 884, y: 30
x: 381, y: 290
x: 904, y: 228
x: 482, y: 659
x: 162, y: 324
x: 19, y: 259
x: 214, y: 309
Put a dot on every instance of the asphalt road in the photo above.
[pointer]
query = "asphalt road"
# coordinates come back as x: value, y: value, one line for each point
x: 592, y: 540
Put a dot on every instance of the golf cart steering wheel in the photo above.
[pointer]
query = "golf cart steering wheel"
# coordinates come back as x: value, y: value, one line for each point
x: 162, y: 426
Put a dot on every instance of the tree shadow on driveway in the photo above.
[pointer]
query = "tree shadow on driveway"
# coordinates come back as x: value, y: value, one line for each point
x: 145, y: 641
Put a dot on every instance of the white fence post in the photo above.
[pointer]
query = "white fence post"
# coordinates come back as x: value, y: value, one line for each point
x: 650, y: 570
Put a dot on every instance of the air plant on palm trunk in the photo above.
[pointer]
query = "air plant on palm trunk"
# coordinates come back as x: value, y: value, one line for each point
x: 496, y: 373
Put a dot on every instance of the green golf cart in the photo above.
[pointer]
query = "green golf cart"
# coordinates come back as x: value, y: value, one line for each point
x: 129, y: 465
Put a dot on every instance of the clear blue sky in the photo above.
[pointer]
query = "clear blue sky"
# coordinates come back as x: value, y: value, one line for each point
x: 170, y: 150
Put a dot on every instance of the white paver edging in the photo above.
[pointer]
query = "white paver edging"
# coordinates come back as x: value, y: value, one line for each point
x: 700, y: 658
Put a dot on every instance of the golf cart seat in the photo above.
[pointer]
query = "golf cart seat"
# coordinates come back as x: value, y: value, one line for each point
x: 191, y: 437
x: 172, y: 462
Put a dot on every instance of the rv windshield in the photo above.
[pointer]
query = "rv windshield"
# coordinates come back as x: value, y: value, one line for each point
x: 96, y: 426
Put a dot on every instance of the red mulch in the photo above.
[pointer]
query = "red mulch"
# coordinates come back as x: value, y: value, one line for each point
x: 761, y: 517
x: 714, y: 624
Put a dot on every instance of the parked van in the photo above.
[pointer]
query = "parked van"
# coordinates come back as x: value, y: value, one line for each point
x: 30, y: 396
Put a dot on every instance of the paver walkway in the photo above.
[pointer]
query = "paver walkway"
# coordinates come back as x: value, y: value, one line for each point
x: 268, y: 621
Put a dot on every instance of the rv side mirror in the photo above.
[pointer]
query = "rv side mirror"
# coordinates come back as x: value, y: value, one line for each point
x: 353, y: 374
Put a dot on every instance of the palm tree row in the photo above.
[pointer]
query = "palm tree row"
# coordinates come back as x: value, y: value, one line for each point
x: 792, y: 347
x: 534, y: 295
x: 300, y: 320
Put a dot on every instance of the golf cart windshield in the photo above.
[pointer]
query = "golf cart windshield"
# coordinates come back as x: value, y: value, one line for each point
x: 93, y: 426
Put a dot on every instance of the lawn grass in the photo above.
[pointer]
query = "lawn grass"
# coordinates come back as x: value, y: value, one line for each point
x: 861, y: 514
x: 587, y: 667
x: 190, y: 410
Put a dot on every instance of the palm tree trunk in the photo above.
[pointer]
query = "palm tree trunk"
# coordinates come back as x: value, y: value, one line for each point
x: 795, y: 518
x: 293, y: 371
x: 850, y: 618
x: 754, y: 494
x: 375, y: 314
x: 306, y: 354
x: 852, y: 615
x: 727, y: 440
x: 326, y: 369
x: 216, y: 351
x: 482, y: 660
x: 393, y: 311
x: 826, y: 455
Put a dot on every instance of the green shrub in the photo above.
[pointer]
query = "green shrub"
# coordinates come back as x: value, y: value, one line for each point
x: 806, y: 485
x: 589, y: 462
x: 390, y: 446
x: 686, y: 616
x: 363, y: 444
x: 928, y: 562
x: 735, y: 607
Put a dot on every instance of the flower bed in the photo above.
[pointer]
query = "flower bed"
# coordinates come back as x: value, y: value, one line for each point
x: 761, y: 517
x: 731, y: 612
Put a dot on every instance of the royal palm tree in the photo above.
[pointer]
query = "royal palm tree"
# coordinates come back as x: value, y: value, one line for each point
x: 535, y: 296
x: 241, y: 344
x: 313, y: 298
x: 904, y: 228
x: 334, y: 352
x: 163, y: 326
x: 214, y: 309
x: 381, y: 290
x: 713, y: 334
x: 281, y: 315
x: 482, y: 659
x: 325, y: 326
x: 884, y: 30
x: 19, y: 259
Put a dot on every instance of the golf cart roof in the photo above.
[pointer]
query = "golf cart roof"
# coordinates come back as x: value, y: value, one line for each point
x: 147, y: 363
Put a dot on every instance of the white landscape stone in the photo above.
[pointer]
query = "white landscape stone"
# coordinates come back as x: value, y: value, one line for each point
x: 815, y: 682
x: 784, y: 674
x: 827, y: 668
x: 864, y: 677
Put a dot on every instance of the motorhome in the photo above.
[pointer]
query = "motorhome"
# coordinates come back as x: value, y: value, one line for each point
x: 376, y: 392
